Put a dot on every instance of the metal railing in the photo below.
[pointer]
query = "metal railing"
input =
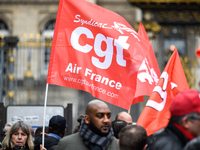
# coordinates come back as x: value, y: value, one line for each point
x: 24, y: 69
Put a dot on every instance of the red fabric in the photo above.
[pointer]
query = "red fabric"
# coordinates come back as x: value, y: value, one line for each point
x: 184, y: 131
x: 96, y: 50
x: 156, y: 114
x: 149, y: 71
x: 198, y: 51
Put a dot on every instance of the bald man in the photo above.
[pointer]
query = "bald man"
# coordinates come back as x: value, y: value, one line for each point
x: 125, y: 117
x: 121, y: 120
x: 95, y: 131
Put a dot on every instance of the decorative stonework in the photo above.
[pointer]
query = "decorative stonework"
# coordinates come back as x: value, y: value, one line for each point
x: 189, y: 17
x: 122, y: 7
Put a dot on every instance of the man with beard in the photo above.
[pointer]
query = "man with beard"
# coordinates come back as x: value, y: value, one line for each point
x: 95, y: 131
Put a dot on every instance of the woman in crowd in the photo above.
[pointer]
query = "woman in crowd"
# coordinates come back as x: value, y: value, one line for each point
x: 18, y: 138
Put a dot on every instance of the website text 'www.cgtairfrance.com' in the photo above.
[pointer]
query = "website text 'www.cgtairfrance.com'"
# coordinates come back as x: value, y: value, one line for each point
x: 92, y: 86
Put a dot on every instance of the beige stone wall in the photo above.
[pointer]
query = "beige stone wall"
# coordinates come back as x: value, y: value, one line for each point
x: 26, y: 18
x: 30, y: 18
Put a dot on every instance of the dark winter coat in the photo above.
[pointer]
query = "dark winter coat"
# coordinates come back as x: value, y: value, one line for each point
x: 193, y: 145
x: 170, y: 139
x: 49, y: 142
x: 17, y: 148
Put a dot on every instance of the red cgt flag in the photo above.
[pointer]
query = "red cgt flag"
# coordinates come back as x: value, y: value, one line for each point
x: 155, y: 115
x: 97, y: 51
x: 149, y: 72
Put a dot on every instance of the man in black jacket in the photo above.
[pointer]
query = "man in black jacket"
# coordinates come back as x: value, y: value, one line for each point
x: 184, y: 123
x: 57, y: 129
x: 193, y: 145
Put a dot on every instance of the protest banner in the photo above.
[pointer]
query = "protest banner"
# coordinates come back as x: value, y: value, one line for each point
x: 97, y: 51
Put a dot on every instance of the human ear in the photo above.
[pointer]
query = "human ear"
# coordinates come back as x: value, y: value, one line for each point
x: 87, y: 119
x: 186, y: 122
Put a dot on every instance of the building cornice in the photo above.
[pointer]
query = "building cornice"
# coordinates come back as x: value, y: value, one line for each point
x: 167, y: 4
x: 165, y: 1
x: 29, y: 2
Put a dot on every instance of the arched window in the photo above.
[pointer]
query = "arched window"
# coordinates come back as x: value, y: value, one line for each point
x: 48, y: 29
x: 3, y: 28
x: 47, y: 35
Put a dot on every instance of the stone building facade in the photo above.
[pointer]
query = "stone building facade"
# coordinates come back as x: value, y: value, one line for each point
x: 32, y: 22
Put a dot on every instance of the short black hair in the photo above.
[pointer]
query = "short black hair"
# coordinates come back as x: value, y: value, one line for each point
x: 39, y: 130
x: 132, y: 137
x: 117, y: 125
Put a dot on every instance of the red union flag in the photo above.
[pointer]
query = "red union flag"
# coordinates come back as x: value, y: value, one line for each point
x: 149, y: 72
x: 156, y: 113
x: 97, y: 51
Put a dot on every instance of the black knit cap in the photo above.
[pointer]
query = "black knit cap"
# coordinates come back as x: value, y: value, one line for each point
x: 57, y: 122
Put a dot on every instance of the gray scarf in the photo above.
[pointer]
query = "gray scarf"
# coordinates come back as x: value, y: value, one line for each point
x: 92, y: 140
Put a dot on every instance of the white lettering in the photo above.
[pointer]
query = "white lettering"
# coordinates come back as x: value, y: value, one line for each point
x: 75, y: 37
x: 162, y: 92
x: 69, y: 67
x: 121, y: 44
x: 77, y: 17
x: 110, y: 83
x: 75, y: 69
x: 103, y: 80
x: 106, y: 52
x: 87, y: 72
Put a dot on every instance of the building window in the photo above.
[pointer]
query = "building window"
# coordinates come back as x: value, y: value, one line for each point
x: 47, y: 36
x: 3, y: 28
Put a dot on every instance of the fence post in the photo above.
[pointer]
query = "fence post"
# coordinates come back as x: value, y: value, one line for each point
x: 69, y: 117
x: 2, y: 119
x: 1, y: 68
x: 11, y: 43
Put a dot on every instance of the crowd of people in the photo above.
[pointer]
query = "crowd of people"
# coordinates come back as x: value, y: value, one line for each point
x: 96, y: 131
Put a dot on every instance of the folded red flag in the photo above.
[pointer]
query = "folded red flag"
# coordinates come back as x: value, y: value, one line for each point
x: 155, y: 115
x: 149, y: 71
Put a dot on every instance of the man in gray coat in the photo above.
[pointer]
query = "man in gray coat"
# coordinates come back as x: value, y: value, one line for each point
x: 95, y: 131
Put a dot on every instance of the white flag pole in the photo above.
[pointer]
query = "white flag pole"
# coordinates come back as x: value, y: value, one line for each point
x: 129, y: 111
x: 44, y: 116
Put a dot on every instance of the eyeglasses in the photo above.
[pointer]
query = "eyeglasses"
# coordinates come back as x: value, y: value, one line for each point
x: 194, y: 118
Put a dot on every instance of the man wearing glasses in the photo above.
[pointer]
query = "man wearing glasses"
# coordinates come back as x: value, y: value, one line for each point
x: 184, y: 124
